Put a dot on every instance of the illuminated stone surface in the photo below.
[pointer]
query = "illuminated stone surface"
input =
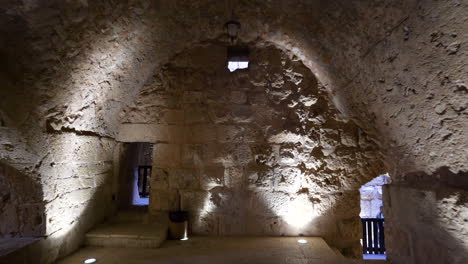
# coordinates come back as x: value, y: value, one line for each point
x: 219, y: 250
x: 73, y: 71
x: 265, y: 162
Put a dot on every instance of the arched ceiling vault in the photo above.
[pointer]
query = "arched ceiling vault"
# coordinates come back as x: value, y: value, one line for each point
x: 72, y: 65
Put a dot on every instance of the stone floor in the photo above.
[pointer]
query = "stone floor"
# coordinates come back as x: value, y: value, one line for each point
x: 10, y: 245
x: 127, y: 235
x: 219, y: 250
x: 18, y: 250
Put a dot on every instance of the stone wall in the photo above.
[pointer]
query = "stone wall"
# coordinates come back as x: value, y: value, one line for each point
x: 396, y: 68
x: 58, y: 194
x: 371, y: 196
x: 59, y: 100
x: 257, y: 152
x: 21, y: 207
x: 426, y: 220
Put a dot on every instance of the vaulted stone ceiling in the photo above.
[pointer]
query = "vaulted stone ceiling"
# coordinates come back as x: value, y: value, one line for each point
x: 395, y: 68
x: 382, y: 62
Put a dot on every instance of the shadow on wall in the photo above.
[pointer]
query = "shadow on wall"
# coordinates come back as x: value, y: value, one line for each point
x: 428, y: 218
x: 22, y: 214
x: 23, y: 220
x: 21, y: 205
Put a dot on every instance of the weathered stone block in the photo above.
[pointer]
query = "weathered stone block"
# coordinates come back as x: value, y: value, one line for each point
x: 164, y: 199
x: 229, y: 225
x: 238, y: 97
x: 195, y: 201
x: 259, y: 177
x: 32, y: 220
x: 234, y: 177
x: 257, y: 98
x: 193, y: 97
x: 199, y: 134
x: 211, y: 177
x: 9, y: 224
x: 180, y: 178
x: 195, y: 115
x: 288, y: 178
x: 150, y: 133
x: 242, y: 113
x: 166, y: 155
x: 350, y: 227
x: 204, y: 223
x: 160, y: 178
x: 173, y: 117
x: 349, y: 140
x: 261, y: 225
x: 193, y: 155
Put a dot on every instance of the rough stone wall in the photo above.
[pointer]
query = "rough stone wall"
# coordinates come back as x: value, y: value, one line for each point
x: 371, y: 196
x: 414, y: 83
x: 259, y: 152
x: 58, y: 194
x: 426, y: 219
x: 21, y: 208
x: 396, y: 67
x: 59, y: 87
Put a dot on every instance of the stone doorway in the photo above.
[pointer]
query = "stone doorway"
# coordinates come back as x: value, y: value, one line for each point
x: 134, y: 174
x: 372, y: 218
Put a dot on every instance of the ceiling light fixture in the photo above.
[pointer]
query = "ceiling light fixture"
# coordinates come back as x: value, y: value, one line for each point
x: 90, y: 260
x: 232, y: 27
x: 302, y: 241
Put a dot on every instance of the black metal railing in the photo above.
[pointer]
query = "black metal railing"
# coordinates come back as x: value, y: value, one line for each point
x: 144, y: 174
x: 373, y: 237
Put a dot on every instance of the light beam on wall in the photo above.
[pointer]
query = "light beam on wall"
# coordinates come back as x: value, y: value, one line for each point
x: 299, y: 212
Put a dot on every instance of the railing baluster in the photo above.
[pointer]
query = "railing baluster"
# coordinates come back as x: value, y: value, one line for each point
x: 373, y: 239
x: 364, y: 235
x: 382, y: 237
x: 144, y: 173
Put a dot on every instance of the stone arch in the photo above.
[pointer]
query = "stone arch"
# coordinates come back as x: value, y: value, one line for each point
x: 394, y: 68
x: 254, y: 140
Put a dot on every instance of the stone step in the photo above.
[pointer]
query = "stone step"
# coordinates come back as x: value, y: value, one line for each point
x: 132, y: 228
x: 139, y: 215
x: 127, y: 235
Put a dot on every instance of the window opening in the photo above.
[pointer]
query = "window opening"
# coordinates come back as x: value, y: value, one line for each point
x: 238, y: 58
x: 372, y: 218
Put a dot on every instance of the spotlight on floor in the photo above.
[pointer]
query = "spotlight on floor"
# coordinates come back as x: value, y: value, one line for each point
x: 302, y: 241
x: 91, y: 260
x: 184, y: 239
